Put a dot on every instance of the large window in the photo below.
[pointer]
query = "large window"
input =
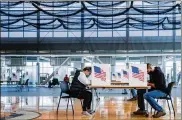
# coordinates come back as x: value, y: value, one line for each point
x: 101, y: 19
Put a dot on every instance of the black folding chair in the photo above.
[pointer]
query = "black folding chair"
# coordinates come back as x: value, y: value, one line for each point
x: 168, y: 97
x: 65, y: 89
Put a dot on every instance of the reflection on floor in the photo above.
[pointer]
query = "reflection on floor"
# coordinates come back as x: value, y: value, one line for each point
x: 109, y: 108
x: 44, y: 91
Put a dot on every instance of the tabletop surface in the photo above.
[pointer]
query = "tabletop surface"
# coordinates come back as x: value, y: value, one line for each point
x: 119, y: 82
x: 119, y: 86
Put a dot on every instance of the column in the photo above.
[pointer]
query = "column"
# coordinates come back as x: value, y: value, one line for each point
x: 82, y: 63
x: 127, y: 62
x: 142, y: 60
x: 37, y: 103
x: 181, y: 43
x: 127, y: 28
x: 174, y: 69
x: 174, y: 45
x: 164, y: 64
x: 113, y: 64
x: 38, y: 70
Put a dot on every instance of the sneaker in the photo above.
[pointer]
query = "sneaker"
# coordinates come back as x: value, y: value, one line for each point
x: 90, y: 111
x: 86, y: 114
x: 140, y: 112
x: 132, y: 99
x: 159, y: 114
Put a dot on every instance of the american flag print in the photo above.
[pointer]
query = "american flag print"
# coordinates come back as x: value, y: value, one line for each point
x: 137, y: 73
x: 99, y: 73
x: 125, y: 74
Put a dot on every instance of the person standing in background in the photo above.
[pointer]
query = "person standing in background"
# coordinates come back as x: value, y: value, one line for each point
x: 56, y: 79
x: 66, y: 78
x: 26, y: 77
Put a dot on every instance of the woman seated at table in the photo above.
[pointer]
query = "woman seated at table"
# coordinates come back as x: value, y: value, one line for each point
x: 78, y: 89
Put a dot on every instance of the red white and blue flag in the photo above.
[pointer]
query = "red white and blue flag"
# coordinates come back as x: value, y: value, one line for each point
x: 125, y: 74
x: 99, y: 73
x: 137, y: 73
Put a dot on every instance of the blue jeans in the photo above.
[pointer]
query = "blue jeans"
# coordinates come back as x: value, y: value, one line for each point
x: 133, y: 93
x: 150, y: 97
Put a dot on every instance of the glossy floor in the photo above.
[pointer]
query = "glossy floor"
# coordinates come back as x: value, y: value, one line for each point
x: 113, y: 107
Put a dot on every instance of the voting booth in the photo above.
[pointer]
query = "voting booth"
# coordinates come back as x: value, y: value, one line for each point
x: 101, y: 74
x: 137, y: 75
x: 125, y: 75
x: 122, y: 76
x: 119, y: 76
x: 114, y: 76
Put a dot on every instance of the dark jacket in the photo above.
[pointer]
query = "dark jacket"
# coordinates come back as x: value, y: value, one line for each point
x: 157, y: 77
x: 76, y: 85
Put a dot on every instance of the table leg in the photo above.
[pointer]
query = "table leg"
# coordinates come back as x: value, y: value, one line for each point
x: 147, y: 102
x: 92, y: 90
x: 96, y: 94
x: 147, y: 114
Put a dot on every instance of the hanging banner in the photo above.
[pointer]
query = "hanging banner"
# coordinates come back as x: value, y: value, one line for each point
x: 138, y: 75
x: 101, y: 74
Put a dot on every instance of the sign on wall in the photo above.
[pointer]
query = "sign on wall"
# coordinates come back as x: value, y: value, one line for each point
x: 138, y: 75
x: 101, y: 74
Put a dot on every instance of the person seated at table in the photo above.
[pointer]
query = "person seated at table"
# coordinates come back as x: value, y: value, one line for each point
x: 79, y: 90
x: 158, y: 89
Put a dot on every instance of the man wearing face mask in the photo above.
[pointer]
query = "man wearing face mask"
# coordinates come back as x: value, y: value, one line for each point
x: 158, y: 89
x: 79, y: 90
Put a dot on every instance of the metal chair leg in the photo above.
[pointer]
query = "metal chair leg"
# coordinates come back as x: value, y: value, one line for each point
x: 72, y: 106
x: 59, y: 101
x: 172, y: 106
x: 169, y: 106
x: 67, y: 106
